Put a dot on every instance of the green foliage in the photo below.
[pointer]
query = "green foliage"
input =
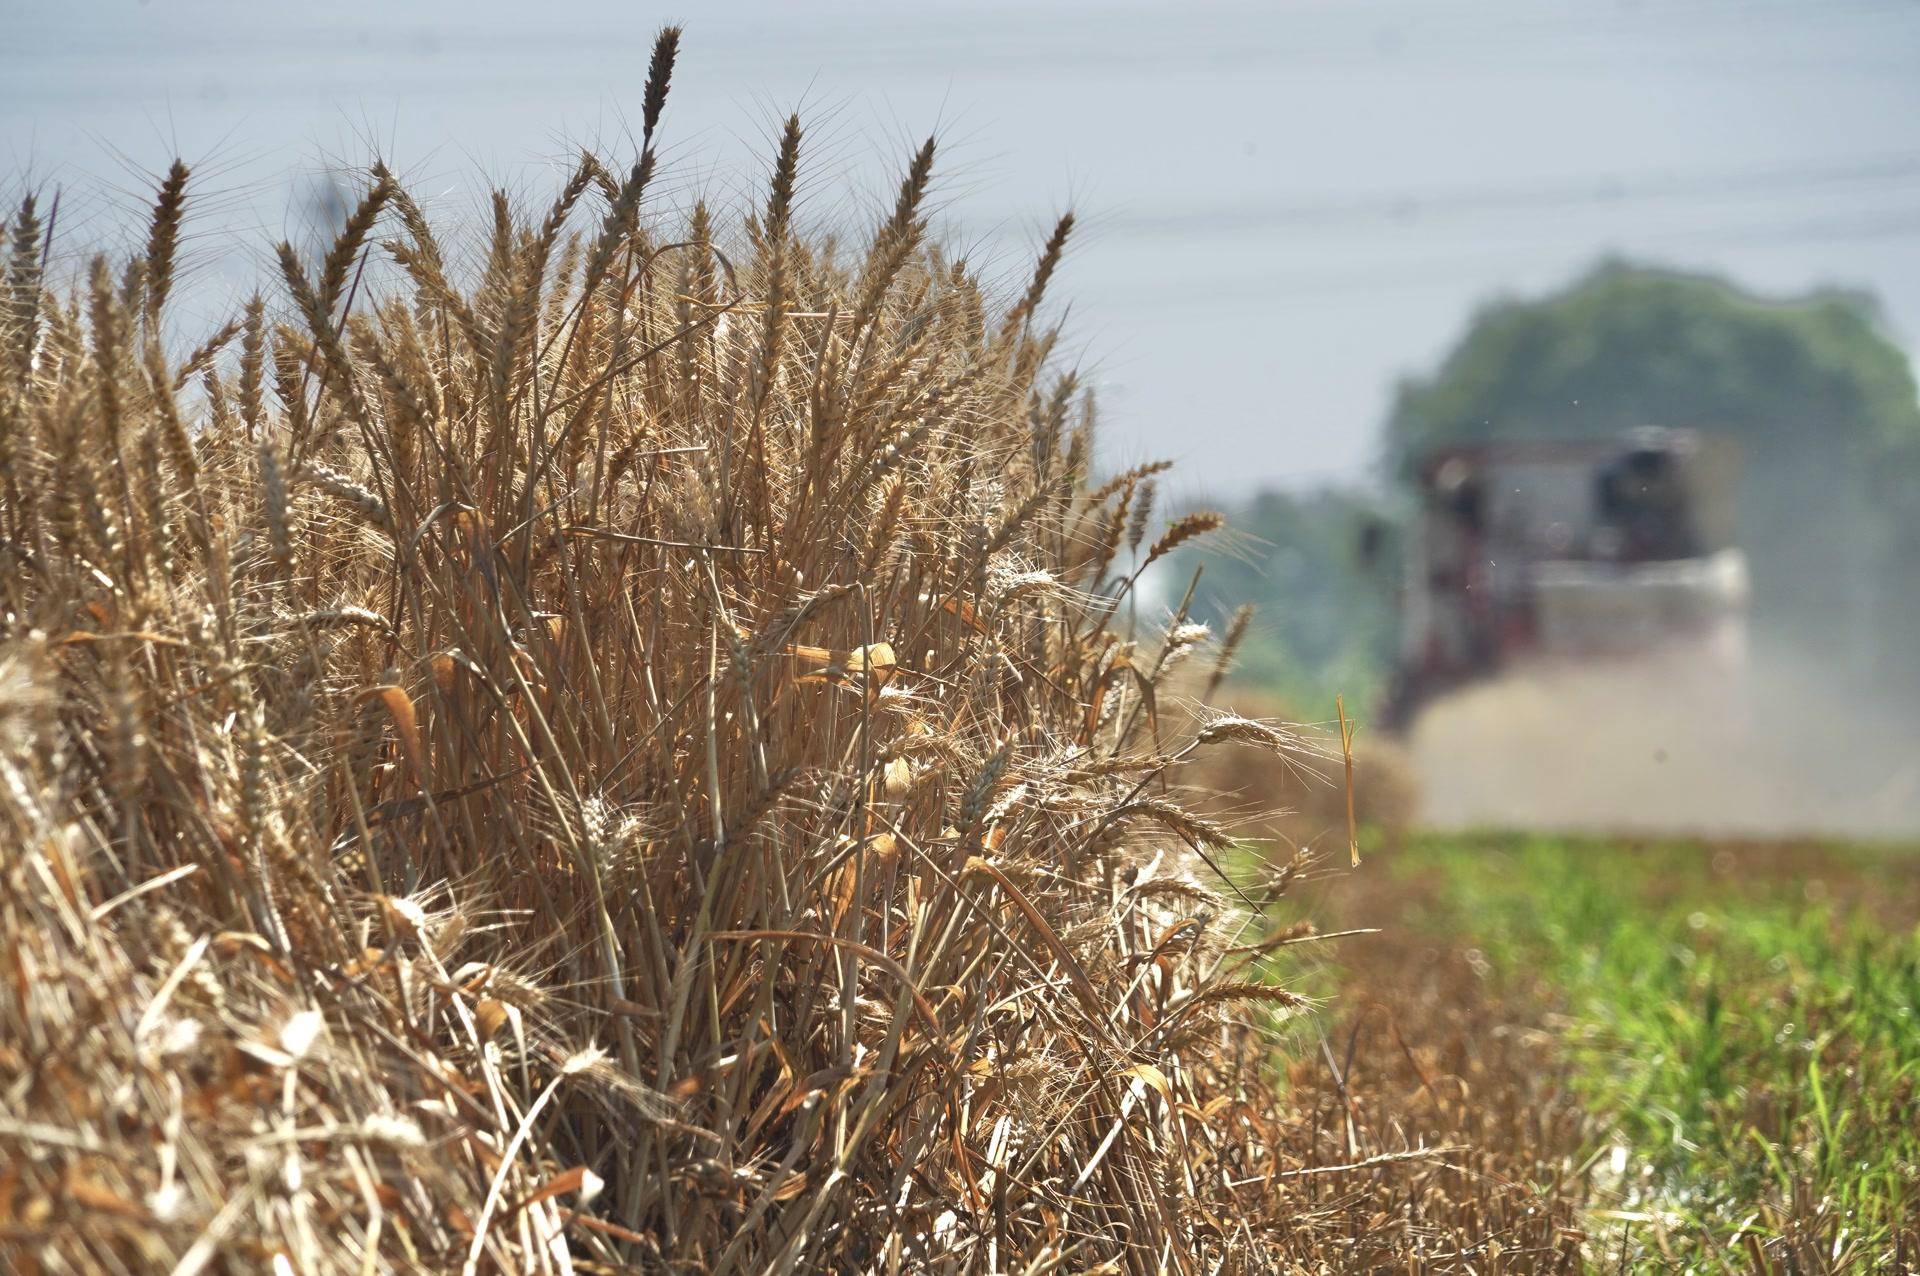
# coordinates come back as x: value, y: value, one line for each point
x: 1753, y: 1057
x: 1630, y: 346
x: 1326, y: 622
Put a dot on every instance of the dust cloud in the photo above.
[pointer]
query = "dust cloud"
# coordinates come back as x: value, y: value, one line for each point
x: 1671, y: 744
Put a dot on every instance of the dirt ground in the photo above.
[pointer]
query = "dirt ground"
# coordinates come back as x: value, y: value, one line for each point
x: 1775, y: 749
x: 1417, y: 1052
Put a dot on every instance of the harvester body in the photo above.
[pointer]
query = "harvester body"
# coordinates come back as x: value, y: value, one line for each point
x: 1568, y: 550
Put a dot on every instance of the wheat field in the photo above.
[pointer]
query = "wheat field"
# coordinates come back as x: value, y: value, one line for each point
x: 625, y: 748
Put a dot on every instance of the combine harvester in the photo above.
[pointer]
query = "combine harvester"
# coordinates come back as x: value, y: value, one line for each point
x: 1574, y: 641
x: 1533, y: 552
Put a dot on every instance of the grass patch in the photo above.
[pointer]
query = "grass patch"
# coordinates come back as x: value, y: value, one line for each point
x: 1747, y: 1035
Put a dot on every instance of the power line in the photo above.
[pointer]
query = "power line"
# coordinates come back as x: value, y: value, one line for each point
x: 1279, y: 288
x: 1599, y: 191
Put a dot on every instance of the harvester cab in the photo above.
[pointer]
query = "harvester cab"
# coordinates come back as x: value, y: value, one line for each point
x: 1532, y: 550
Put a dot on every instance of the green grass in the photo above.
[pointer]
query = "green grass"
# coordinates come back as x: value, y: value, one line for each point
x: 1751, y: 1055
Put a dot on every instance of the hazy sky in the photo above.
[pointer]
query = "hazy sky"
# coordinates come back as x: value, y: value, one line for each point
x: 1287, y: 205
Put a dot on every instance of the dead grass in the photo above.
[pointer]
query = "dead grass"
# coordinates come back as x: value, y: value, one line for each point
x: 1299, y: 795
x: 611, y: 754
x: 1417, y: 1050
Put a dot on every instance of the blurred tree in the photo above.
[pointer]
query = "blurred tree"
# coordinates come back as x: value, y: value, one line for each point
x: 1326, y: 621
x: 1820, y: 400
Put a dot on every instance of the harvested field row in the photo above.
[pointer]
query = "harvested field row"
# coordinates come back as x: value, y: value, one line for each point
x: 1687, y: 1056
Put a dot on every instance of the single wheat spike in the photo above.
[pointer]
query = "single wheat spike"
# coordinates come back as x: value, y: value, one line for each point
x: 618, y: 224
x: 1042, y: 274
x: 205, y: 353
x: 1142, y: 515
x: 273, y: 499
x: 352, y: 492
x: 253, y: 346
x: 162, y: 238
x: 1183, y: 530
x: 347, y: 244
x: 666, y: 47
x: 1229, y: 647
x: 898, y: 236
x: 1268, y: 993
x: 179, y: 443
